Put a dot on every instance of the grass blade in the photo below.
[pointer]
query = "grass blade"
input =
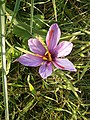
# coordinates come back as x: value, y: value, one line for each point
x: 55, y: 11
x: 4, y: 79
x: 70, y: 86
x: 32, y: 9
x: 84, y: 70
x: 16, y: 8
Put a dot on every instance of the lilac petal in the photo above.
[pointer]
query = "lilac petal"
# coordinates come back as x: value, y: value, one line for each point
x: 63, y: 49
x: 45, y: 70
x: 64, y: 64
x: 36, y: 46
x: 53, y: 37
x: 30, y: 60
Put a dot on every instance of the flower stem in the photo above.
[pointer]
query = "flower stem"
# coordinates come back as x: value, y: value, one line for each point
x: 4, y: 79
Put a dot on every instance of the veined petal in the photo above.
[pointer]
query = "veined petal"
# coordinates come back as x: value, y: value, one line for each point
x: 30, y: 60
x: 45, y: 70
x: 53, y: 36
x: 64, y: 64
x: 63, y: 49
x: 36, y: 46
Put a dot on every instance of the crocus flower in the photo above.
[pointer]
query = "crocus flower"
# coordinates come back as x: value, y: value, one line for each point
x: 54, y: 54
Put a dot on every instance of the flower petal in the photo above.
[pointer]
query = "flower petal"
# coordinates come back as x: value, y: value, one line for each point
x: 63, y: 49
x: 64, y: 64
x: 36, y: 46
x: 30, y: 60
x: 45, y: 70
x: 53, y: 36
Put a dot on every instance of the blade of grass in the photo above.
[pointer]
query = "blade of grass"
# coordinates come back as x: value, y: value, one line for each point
x: 71, y: 35
x: 32, y: 10
x: 64, y: 8
x: 31, y: 86
x: 16, y: 8
x: 4, y: 79
x: 84, y: 70
x: 41, y: 2
x: 71, y: 86
x: 55, y: 11
x: 24, y: 51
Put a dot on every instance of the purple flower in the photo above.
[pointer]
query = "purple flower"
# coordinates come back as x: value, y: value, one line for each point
x: 47, y: 57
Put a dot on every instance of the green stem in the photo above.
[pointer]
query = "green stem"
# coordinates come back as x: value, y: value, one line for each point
x: 55, y: 11
x: 32, y: 9
x: 4, y: 79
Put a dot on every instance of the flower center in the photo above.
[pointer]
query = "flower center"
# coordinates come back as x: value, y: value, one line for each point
x: 47, y: 56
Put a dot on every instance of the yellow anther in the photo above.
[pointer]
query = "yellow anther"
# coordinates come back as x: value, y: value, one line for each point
x: 47, y: 56
x: 44, y: 58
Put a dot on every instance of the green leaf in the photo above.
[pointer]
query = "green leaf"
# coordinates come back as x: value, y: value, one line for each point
x: 1, y: 2
x: 70, y: 86
x: 23, y: 50
x: 21, y: 30
x: 16, y: 8
x: 63, y: 110
x: 27, y: 107
x: 85, y: 69
x: 33, y: 91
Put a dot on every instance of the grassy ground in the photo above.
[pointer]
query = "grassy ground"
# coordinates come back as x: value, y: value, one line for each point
x: 64, y: 95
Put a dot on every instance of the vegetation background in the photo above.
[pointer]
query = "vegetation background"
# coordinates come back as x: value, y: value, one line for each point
x: 64, y: 95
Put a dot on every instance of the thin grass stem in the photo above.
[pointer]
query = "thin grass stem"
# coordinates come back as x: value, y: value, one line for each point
x: 16, y: 9
x: 4, y: 79
x: 54, y: 7
x: 32, y: 10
